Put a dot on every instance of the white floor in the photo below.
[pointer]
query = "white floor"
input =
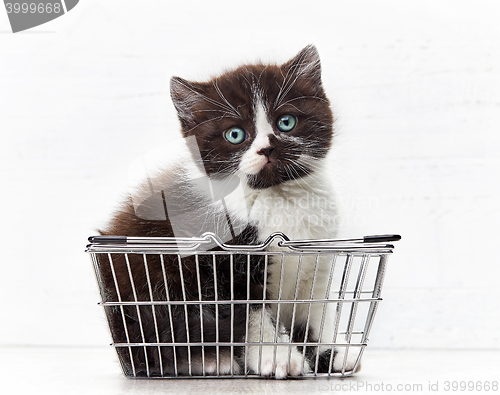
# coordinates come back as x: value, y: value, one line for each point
x: 28, y: 370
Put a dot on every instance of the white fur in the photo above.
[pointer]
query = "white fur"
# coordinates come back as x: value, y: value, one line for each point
x: 302, y: 209
x: 227, y: 365
x: 269, y: 360
x: 340, y: 356
x: 252, y: 162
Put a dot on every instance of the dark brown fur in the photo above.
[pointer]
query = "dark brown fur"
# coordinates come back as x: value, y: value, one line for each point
x: 227, y: 328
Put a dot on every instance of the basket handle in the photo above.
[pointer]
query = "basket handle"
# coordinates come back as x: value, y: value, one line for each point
x: 375, y: 239
x: 381, y: 238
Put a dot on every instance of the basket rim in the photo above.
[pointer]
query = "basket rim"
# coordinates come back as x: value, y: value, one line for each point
x: 366, y: 244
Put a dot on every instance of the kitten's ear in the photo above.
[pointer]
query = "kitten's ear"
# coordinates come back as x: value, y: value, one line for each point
x: 305, y: 65
x: 186, y: 97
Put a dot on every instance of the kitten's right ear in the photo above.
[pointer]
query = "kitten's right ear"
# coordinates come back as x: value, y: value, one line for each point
x: 186, y: 96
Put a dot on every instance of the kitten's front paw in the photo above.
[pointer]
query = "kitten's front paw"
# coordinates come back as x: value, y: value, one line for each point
x: 227, y: 365
x: 340, y: 357
x: 287, y: 362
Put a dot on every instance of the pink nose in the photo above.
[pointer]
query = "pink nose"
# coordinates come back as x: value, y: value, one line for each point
x: 266, y: 151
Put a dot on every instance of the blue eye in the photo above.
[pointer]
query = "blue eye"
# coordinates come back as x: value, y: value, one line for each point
x: 286, y: 123
x: 235, y: 135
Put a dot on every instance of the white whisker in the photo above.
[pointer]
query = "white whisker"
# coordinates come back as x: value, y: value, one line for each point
x: 299, y: 98
x: 219, y: 92
x: 201, y: 123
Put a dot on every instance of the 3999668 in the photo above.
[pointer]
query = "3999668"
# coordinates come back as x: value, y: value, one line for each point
x: 34, y: 8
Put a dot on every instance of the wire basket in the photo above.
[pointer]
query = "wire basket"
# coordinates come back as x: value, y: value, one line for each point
x: 182, y: 307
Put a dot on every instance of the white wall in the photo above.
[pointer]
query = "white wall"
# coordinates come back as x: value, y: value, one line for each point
x: 416, y: 90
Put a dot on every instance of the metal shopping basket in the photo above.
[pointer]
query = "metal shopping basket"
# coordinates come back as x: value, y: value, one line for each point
x: 146, y: 320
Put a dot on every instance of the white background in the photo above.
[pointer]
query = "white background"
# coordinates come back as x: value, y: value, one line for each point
x: 415, y: 86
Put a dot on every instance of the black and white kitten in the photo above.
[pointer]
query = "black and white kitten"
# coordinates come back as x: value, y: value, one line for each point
x: 270, y: 126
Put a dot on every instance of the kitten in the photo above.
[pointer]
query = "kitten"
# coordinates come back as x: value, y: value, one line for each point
x: 270, y: 126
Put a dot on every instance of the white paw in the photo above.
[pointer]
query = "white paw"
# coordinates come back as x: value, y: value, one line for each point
x: 227, y: 365
x: 286, y: 362
x: 341, y: 363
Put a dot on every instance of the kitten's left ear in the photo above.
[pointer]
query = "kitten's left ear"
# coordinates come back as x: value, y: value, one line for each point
x: 305, y: 65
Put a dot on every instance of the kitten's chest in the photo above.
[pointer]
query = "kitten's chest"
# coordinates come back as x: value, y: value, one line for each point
x: 298, y: 213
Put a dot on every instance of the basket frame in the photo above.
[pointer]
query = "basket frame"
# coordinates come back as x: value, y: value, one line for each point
x: 346, y: 251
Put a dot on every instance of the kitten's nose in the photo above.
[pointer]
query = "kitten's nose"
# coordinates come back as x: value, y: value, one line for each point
x: 265, y: 151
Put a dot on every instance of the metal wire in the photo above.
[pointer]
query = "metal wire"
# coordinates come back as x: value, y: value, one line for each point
x: 169, y: 351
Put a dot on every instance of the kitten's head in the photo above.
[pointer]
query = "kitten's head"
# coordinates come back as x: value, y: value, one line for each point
x: 266, y: 123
